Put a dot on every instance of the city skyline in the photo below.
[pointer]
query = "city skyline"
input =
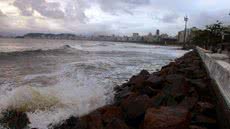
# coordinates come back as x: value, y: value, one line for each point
x: 107, y: 17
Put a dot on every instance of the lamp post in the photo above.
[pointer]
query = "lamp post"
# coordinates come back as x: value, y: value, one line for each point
x: 229, y: 15
x: 185, y: 28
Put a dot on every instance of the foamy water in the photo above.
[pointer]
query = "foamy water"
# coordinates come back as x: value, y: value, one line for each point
x: 58, y: 82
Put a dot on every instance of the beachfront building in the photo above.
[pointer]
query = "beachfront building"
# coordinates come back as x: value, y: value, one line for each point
x: 136, y: 37
x: 157, y: 32
x: 226, y: 34
x: 182, y: 37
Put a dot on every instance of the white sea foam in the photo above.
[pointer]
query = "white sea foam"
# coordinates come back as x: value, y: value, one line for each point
x: 84, y: 81
x: 49, y: 105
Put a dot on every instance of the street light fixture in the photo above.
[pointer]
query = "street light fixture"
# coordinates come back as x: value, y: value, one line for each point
x: 229, y: 15
x: 185, y: 29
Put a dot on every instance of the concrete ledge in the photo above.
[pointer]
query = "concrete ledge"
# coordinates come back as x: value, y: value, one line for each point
x: 218, y: 67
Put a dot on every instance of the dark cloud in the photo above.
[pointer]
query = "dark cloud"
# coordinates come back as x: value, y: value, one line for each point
x: 124, y: 6
x: 204, y: 18
x: 111, y: 16
x: 75, y: 10
x: 169, y: 18
x: 47, y: 9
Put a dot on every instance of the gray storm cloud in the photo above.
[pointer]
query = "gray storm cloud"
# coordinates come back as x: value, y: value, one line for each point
x: 48, y: 9
x: 118, y: 6
x: 110, y: 16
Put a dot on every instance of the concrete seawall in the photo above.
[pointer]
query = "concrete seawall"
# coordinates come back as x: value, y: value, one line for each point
x: 218, y: 67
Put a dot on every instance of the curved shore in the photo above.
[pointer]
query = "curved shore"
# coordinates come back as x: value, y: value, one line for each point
x: 176, y: 97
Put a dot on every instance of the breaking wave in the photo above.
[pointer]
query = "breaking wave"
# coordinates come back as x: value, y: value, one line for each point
x: 51, y: 85
x: 49, y: 105
x: 62, y: 49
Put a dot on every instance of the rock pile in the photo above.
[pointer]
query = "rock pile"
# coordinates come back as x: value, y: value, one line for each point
x: 177, y: 97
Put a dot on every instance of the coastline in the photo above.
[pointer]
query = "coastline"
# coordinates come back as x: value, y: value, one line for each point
x: 137, y: 42
x: 176, y: 97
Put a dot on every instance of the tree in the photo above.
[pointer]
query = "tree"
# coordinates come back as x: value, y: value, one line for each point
x: 215, y: 33
x: 201, y: 38
x: 210, y: 36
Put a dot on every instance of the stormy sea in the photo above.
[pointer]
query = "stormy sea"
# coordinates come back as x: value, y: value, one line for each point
x: 52, y: 80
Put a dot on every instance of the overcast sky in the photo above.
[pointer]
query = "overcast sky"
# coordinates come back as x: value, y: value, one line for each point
x: 108, y: 16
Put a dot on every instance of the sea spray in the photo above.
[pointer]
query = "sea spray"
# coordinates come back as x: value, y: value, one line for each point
x: 44, y: 109
x: 74, y: 96
x: 29, y: 99
x: 83, y: 77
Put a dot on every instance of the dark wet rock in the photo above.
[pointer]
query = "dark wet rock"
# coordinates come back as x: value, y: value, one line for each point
x: 117, y: 124
x: 91, y: 121
x: 123, y: 86
x: 199, y: 85
x: 196, y: 127
x: 175, y: 79
x: 167, y: 118
x: 134, y: 109
x: 147, y: 90
x: 189, y: 102
x: 137, y: 81
x: 13, y: 119
x: 172, y: 68
x: 205, y: 105
x: 144, y: 73
x: 110, y: 112
x: 163, y: 99
x: 176, y: 85
x: 206, y: 108
x: 199, y: 74
x: 123, y: 93
x: 158, y: 100
x: 72, y: 122
x: 205, y: 121
x: 66, y: 46
x: 154, y: 81
x: 187, y: 70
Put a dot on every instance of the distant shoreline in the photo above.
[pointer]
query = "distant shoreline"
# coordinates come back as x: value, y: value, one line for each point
x: 138, y: 42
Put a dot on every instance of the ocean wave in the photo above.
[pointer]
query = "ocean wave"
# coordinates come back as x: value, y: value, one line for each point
x: 62, y: 49
x: 53, y: 104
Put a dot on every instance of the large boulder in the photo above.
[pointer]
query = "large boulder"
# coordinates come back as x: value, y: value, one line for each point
x: 172, y: 68
x: 72, y: 122
x: 206, y: 108
x: 14, y: 119
x: 148, y: 90
x: 134, y: 109
x: 117, y: 124
x: 138, y: 80
x: 189, y: 102
x: 204, y: 121
x: 162, y: 99
x: 121, y: 94
x: 109, y: 113
x: 176, y: 85
x: 154, y: 81
x: 167, y: 118
x: 196, y: 127
x: 157, y: 100
x: 200, y: 85
x: 91, y: 121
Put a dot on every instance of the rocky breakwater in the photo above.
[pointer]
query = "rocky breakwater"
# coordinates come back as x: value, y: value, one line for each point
x: 176, y: 97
